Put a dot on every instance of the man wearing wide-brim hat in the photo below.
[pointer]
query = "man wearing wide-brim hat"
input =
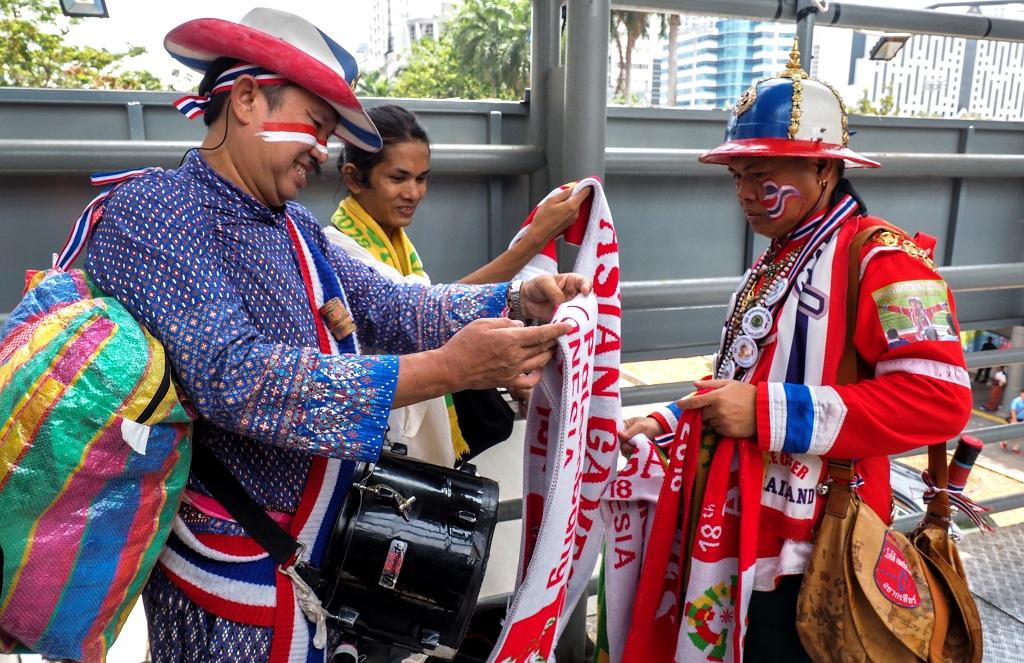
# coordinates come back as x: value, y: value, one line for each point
x: 780, y: 382
x: 262, y: 320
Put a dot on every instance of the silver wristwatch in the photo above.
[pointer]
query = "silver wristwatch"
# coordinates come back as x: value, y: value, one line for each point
x: 514, y: 301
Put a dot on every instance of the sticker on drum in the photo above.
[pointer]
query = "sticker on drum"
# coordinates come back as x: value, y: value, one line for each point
x: 393, y: 564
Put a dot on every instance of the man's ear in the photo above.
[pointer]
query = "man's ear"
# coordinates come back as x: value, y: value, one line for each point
x: 826, y: 168
x: 350, y: 176
x: 243, y: 100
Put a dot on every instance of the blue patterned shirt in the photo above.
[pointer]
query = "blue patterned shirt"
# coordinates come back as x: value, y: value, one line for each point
x: 211, y: 272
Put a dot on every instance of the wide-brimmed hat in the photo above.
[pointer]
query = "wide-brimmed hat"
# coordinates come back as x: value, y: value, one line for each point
x: 791, y: 115
x: 287, y: 45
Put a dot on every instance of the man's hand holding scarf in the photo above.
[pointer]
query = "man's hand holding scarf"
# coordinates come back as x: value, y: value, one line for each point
x: 543, y: 294
x: 729, y: 408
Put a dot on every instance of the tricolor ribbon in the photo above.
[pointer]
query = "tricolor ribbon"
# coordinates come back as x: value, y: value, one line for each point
x: 328, y: 481
x: 90, y: 216
x: 194, y: 105
x: 957, y: 498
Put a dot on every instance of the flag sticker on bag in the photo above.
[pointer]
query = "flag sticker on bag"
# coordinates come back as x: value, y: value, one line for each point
x: 915, y: 311
x: 893, y: 575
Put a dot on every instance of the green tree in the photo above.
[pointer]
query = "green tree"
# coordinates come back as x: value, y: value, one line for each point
x: 33, y: 54
x: 373, y: 84
x: 491, y: 38
x: 626, y: 28
x: 433, y: 71
x: 886, y: 105
x: 484, y: 51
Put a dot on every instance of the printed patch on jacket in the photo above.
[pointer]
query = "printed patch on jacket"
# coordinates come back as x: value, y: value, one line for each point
x: 893, y: 576
x: 915, y: 311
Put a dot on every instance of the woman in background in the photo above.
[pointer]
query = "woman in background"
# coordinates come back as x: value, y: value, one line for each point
x: 385, y: 188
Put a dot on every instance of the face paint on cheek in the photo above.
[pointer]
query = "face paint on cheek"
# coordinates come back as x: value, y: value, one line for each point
x: 297, y: 132
x: 775, y: 198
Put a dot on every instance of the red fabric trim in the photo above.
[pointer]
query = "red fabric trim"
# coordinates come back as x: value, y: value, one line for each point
x: 310, y: 494
x: 763, y: 418
x: 784, y: 147
x: 662, y: 421
x: 239, y: 546
x: 307, y: 283
x: 245, y: 614
x: 284, y: 623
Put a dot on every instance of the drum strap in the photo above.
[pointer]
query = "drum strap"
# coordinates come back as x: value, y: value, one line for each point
x: 227, y: 490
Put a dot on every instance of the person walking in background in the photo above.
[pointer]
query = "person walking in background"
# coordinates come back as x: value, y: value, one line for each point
x: 1016, y: 417
x: 983, y: 373
x: 995, y: 397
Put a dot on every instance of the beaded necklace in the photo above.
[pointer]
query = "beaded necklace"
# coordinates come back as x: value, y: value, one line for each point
x: 751, y: 318
x: 765, y: 286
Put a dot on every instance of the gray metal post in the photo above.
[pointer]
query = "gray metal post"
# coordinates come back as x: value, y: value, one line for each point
x: 544, y: 84
x: 806, y: 11
x: 496, y: 242
x: 543, y: 58
x: 956, y: 198
x: 586, y: 83
x: 583, y: 127
x: 1014, y: 372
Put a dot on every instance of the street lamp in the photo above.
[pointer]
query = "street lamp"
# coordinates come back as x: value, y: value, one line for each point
x: 92, y: 8
x: 888, y: 46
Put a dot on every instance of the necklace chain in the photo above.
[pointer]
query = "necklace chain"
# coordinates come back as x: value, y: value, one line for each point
x: 763, y: 277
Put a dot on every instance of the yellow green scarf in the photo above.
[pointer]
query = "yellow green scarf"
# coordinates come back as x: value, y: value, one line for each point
x: 356, y: 223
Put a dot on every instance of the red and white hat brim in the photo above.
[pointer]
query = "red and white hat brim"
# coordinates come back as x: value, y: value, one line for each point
x: 783, y: 147
x: 199, y: 42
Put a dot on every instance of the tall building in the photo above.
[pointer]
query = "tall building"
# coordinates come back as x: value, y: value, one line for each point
x: 937, y: 76
x: 395, y: 25
x: 388, y: 34
x: 718, y: 58
x: 642, y: 65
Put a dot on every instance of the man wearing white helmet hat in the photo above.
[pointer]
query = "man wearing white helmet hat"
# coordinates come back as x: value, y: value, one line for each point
x: 260, y: 318
x: 782, y: 384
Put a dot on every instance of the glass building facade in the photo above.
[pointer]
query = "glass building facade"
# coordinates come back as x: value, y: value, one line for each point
x: 717, y: 59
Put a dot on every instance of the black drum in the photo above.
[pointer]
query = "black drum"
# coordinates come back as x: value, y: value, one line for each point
x: 407, y: 556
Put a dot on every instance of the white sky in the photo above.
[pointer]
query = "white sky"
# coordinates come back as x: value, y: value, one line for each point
x: 145, y: 22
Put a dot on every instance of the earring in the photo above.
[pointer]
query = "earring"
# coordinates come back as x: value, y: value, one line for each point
x: 822, y: 183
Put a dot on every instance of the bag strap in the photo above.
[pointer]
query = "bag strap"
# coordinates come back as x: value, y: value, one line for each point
x: 840, y: 472
x: 938, y: 511
x: 227, y: 490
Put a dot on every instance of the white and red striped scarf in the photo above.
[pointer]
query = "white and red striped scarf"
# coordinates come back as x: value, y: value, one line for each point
x: 571, y: 445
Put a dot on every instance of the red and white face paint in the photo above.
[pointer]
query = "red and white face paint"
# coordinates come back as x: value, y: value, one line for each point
x: 775, y: 197
x: 298, y: 132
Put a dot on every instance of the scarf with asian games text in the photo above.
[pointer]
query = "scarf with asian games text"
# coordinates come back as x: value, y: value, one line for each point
x: 571, y: 445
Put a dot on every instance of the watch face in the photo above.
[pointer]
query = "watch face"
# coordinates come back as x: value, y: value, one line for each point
x: 757, y: 322
x: 744, y: 351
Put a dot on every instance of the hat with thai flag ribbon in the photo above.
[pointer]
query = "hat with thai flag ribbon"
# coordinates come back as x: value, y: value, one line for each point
x: 288, y: 46
x: 791, y: 115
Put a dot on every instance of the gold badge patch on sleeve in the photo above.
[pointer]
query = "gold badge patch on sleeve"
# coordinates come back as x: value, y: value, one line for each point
x: 907, y: 245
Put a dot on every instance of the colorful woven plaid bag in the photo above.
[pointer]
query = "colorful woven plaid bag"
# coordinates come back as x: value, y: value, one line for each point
x: 94, y: 455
